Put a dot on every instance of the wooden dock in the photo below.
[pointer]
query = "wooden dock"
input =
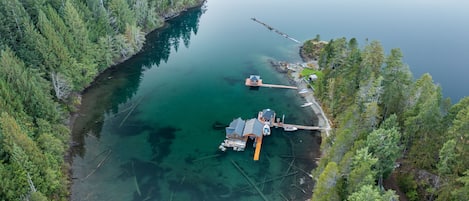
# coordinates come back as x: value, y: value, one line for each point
x: 260, y: 84
x: 302, y: 127
x: 257, y: 152
x: 278, y: 86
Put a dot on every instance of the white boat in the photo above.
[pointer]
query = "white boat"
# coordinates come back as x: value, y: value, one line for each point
x: 306, y: 104
x: 222, y: 148
x: 303, y: 91
x: 290, y: 128
x: 266, y: 129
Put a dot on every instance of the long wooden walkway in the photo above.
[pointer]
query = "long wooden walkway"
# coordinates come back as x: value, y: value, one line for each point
x: 302, y: 127
x: 278, y: 86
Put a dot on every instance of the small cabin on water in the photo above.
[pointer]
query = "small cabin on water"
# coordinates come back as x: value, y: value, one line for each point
x: 239, y: 131
x: 254, y: 81
x: 235, y: 129
x: 253, y: 128
x: 267, y: 116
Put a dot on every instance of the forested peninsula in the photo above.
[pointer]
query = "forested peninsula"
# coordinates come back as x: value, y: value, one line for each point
x: 50, y: 50
x: 387, y: 126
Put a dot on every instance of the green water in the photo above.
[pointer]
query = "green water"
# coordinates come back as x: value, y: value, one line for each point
x: 147, y: 124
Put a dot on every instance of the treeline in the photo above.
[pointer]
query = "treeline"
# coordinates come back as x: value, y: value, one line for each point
x: 385, y: 119
x: 49, y: 50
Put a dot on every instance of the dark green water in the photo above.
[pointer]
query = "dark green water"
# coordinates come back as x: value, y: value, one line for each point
x: 145, y: 124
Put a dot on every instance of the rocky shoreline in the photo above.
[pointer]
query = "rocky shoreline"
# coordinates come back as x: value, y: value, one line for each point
x: 292, y: 73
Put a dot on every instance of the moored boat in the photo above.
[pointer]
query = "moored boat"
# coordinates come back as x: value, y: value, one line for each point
x: 290, y: 128
x: 266, y: 129
x: 303, y: 91
x: 306, y: 104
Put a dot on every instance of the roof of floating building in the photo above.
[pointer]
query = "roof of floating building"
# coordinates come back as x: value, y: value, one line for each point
x: 254, y: 78
x: 268, y: 114
x: 236, y: 127
x: 253, y: 126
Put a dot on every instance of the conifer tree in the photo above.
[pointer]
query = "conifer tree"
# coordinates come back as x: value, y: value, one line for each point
x: 362, y: 173
x: 326, y: 187
x: 423, y: 119
x: 384, y: 145
x: 397, y: 79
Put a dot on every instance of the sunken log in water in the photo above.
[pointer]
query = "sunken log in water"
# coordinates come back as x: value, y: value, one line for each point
x: 219, y: 125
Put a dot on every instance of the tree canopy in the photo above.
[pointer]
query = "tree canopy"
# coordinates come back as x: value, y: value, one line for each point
x: 50, y: 50
x: 384, y: 115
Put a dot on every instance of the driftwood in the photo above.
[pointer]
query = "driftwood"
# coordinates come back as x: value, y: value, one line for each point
x: 99, y: 165
x: 135, y: 181
x: 309, y: 174
x: 122, y: 111
x: 171, y: 196
x: 130, y: 112
x: 269, y: 180
x: 206, y: 157
x: 182, y: 180
x: 288, y: 156
x: 284, y: 197
x: 97, y: 156
x: 302, y: 190
x: 249, y: 180
x: 136, y: 186
x: 288, y: 170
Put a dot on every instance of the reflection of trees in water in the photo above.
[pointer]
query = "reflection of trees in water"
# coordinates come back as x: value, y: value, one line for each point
x: 119, y: 84
x: 170, y: 37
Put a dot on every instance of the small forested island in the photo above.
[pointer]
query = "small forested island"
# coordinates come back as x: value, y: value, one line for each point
x: 390, y: 131
x: 50, y: 51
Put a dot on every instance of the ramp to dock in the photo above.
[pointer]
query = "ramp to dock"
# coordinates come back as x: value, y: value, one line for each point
x: 257, y: 152
x: 278, y: 86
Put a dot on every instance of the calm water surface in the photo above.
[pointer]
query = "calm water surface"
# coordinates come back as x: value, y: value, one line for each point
x: 146, y: 125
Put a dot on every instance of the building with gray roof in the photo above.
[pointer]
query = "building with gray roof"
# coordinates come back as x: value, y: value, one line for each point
x: 268, y: 115
x: 235, y: 130
x: 253, y: 127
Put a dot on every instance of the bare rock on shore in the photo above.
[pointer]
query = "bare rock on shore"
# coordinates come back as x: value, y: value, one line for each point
x: 311, y: 50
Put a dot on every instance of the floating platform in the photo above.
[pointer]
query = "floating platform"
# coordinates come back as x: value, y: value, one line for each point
x: 239, y: 131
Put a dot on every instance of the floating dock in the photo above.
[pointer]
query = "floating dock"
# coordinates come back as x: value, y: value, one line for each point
x: 239, y: 131
x: 257, y: 152
x: 279, y: 86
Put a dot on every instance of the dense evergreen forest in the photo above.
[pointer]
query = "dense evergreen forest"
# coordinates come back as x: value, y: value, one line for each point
x: 50, y: 50
x: 387, y: 123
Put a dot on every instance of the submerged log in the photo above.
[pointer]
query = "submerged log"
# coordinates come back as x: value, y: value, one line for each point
x: 206, y: 157
x: 219, y: 125
x: 270, y: 180
x: 99, y: 165
x: 249, y: 181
